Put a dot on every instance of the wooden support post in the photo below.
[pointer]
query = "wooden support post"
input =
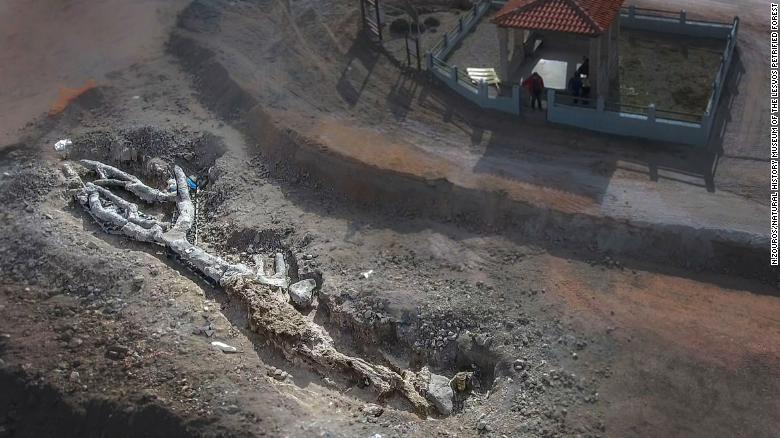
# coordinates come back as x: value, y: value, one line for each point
x: 503, y: 52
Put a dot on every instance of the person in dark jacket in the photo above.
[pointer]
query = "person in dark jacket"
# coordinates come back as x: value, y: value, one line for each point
x: 535, y: 86
x: 585, y: 93
x: 584, y: 68
x: 575, y: 86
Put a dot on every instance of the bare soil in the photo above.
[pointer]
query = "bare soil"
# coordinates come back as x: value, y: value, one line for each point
x: 299, y: 125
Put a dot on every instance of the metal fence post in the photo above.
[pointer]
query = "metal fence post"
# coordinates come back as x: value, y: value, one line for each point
x: 455, y: 75
x: 445, y: 41
x: 631, y: 11
x: 483, y: 91
x: 600, y: 104
x: 517, y: 98
x: 550, y: 98
x: 651, y: 113
x: 683, y: 16
x: 460, y: 24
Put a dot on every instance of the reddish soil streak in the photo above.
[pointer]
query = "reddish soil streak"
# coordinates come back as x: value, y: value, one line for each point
x: 722, y: 326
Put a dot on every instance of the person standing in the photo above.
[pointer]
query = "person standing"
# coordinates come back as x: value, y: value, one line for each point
x: 535, y: 87
x: 575, y: 86
x: 584, y: 68
x: 585, y: 91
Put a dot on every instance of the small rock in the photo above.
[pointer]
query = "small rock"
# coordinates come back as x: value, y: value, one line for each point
x: 440, y: 393
x: 483, y: 340
x: 230, y: 409
x: 75, y: 343
x: 74, y: 376
x: 138, y: 281
x: 117, y: 352
x: 301, y: 293
x: 367, y: 274
x: 372, y: 410
x: 225, y: 348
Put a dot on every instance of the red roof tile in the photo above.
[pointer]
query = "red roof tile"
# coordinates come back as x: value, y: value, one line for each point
x: 586, y: 17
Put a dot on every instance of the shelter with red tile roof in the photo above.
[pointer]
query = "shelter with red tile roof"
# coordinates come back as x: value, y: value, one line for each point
x: 529, y: 21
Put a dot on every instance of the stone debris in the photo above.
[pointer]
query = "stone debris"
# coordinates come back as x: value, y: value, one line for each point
x: 63, y: 147
x: 277, y: 373
x: 138, y: 281
x: 372, y: 410
x: 302, y: 293
x: 440, y: 394
x: 117, y: 352
x: 225, y: 348
x: 207, y: 330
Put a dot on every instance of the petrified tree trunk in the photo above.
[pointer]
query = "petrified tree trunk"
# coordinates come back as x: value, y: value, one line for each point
x: 295, y: 336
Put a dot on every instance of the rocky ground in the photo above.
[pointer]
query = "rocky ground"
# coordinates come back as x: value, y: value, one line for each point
x: 105, y: 336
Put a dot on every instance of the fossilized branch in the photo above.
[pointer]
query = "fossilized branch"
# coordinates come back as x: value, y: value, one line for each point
x: 112, y: 176
x: 183, y: 202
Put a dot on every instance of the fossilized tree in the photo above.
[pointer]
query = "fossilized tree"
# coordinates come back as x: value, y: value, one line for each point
x: 263, y: 293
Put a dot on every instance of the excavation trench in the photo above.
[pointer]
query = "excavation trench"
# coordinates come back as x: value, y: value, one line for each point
x: 397, y: 335
x: 296, y: 160
x: 390, y: 336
